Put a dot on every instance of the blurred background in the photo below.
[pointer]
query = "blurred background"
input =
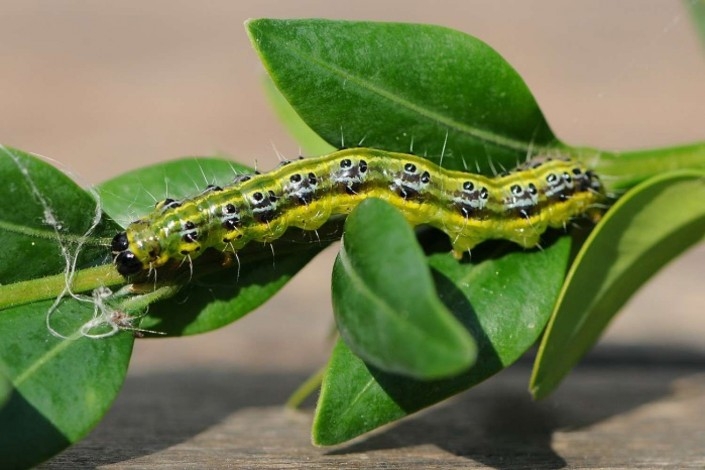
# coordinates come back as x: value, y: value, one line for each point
x: 105, y: 87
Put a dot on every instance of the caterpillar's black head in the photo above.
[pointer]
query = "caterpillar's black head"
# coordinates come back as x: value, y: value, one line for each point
x: 126, y: 262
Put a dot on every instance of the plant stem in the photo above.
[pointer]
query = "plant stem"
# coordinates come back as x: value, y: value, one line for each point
x: 304, y: 390
x: 51, y: 286
x: 620, y: 171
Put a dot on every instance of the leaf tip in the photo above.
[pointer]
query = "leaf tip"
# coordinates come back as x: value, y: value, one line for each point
x: 323, y: 433
x: 540, y: 388
x: 253, y: 27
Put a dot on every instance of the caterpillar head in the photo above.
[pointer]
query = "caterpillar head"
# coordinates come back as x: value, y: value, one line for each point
x: 135, y: 250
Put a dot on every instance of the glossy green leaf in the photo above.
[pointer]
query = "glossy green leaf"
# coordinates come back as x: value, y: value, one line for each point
x: 60, y: 388
x: 212, y: 301
x: 40, y: 204
x: 648, y: 227
x: 403, y: 87
x: 503, y: 298
x: 386, y: 306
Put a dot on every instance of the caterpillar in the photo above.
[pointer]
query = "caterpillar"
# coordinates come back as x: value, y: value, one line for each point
x: 518, y: 205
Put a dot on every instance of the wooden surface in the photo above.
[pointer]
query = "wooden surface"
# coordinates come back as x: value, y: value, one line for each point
x: 623, y: 408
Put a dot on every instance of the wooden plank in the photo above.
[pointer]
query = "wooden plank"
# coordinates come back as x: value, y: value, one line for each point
x: 638, y: 411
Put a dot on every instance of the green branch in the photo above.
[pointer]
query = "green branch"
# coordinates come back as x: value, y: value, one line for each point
x: 50, y: 287
x: 621, y: 171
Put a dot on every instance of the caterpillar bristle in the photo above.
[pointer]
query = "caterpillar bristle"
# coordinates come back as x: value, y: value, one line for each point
x: 517, y: 205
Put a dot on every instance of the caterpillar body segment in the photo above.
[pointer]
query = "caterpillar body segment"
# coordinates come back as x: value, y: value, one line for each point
x: 517, y: 206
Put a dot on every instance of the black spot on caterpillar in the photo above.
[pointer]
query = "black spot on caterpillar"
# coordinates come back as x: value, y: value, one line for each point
x: 517, y: 206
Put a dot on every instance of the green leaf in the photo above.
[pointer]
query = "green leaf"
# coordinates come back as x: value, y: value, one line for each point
x: 648, y: 227
x: 504, y: 299
x: 387, y: 309
x: 5, y: 390
x: 310, y: 142
x: 40, y: 206
x: 60, y: 388
x: 212, y: 301
x: 224, y: 297
x: 134, y: 194
x: 403, y: 87
x: 697, y: 14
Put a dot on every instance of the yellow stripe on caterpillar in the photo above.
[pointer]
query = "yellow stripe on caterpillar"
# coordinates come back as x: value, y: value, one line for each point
x: 517, y: 206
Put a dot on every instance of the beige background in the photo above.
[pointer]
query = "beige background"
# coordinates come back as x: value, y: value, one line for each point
x: 104, y: 87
